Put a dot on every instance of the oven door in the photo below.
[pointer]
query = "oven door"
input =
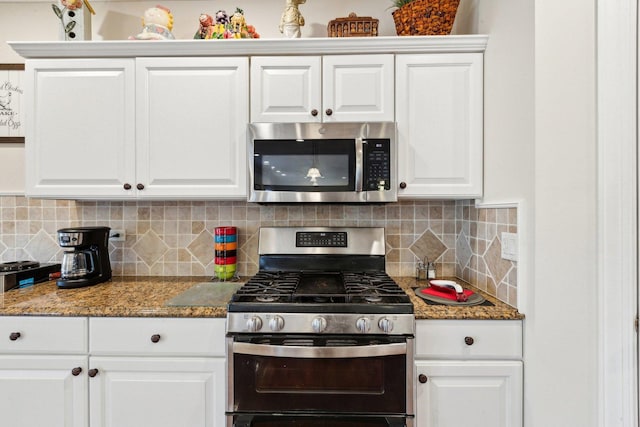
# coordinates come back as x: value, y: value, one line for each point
x: 320, y: 375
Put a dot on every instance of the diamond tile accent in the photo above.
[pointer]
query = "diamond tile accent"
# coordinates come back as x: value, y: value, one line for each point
x: 42, y: 247
x: 202, y: 248
x: 463, y: 250
x: 428, y: 245
x: 150, y: 248
x: 3, y: 248
x: 497, y: 266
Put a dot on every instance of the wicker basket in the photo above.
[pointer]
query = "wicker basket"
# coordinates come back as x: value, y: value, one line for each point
x: 425, y: 17
x: 353, y: 26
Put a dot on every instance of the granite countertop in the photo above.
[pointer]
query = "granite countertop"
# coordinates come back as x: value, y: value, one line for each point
x: 149, y: 296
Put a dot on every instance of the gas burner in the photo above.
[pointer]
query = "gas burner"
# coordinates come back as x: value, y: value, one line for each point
x: 373, y: 298
x: 267, y: 298
x: 18, y: 265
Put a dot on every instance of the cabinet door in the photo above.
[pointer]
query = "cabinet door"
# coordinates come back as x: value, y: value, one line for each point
x: 358, y: 88
x: 80, y: 131
x: 192, y: 115
x: 286, y: 89
x: 480, y: 394
x: 43, y: 391
x: 158, y: 392
x: 439, y: 101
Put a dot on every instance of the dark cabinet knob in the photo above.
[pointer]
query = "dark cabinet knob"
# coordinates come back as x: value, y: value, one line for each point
x: 76, y: 371
x: 140, y: 187
x: 422, y: 378
x: 403, y: 185
x: 93, y: 372
x: 14, y: 336
x: 127, y: 186
x: 314, y: 112
x: 329, y: 112
x: 468, y: 340
x: 155, y: 338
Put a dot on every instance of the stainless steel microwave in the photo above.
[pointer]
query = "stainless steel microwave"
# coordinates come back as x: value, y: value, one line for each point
x: 322, y: 162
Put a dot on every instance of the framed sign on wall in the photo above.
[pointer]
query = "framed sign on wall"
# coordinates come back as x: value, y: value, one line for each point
x: 11, y: 103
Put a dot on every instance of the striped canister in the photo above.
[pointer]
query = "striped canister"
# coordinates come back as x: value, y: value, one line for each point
x: 226, y: 246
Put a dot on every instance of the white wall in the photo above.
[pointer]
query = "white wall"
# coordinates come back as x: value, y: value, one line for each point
x: 561, y: 327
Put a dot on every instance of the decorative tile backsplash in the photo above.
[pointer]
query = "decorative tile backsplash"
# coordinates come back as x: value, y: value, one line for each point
x: 176, y: 238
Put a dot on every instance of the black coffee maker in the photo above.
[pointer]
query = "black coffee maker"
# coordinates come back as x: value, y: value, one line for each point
x: 86, y: 260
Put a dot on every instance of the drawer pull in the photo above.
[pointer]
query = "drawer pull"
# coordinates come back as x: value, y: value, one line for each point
x: 423, y: 378
x: 127, y: 186
x: 314, y: 112
x: 93, y: 372
x: 14, y: 336
x: 403, y: 185
x: 76, y: 371
x: 468, y: 340
x: 140, y: 186
x: 155, y: 338
x: 329, y: 112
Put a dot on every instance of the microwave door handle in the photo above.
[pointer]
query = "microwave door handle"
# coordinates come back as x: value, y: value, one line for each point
x: 340, y: 352
x: 360, y: 147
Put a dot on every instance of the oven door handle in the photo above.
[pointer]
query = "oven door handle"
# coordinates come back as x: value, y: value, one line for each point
x: 346, y: 352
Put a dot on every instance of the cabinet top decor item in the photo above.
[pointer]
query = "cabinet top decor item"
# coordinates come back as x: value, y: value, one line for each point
x: 424, y: 17
x: 157, y: 24
x: 292, y: 19
x: 353, y: 26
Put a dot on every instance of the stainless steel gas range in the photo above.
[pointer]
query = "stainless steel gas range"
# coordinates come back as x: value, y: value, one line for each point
x: 321, y: 335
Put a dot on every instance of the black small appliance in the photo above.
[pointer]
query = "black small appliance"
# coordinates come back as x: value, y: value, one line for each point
x: 86, y: 259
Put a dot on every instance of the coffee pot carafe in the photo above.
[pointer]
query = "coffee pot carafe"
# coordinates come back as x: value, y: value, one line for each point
x: 86, y: 260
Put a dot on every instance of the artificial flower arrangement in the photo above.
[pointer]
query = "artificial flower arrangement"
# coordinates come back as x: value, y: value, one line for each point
x: 225, y: 27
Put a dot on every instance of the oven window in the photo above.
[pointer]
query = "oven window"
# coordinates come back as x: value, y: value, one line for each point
x: 318, y: 165
x: 342, y: 376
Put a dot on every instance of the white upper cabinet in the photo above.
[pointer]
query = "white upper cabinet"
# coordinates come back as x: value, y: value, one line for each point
x: 80, y: 129
x: 150, y: 120
x: 192, y: 116
x: 169, y: 128
x: 322, y: 89
x: 439, y: 105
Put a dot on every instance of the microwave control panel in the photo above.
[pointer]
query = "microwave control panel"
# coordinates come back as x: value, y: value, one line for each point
x: 377, y: 165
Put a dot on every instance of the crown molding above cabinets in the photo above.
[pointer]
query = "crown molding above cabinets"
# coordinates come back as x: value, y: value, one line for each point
x: 310, y: 46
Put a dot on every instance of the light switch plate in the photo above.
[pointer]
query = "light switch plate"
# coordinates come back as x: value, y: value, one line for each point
x: 510, y: 246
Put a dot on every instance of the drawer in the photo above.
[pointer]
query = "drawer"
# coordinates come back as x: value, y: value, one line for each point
x: 43, y: 335
x: 469, y: 339
x: 157, y: 336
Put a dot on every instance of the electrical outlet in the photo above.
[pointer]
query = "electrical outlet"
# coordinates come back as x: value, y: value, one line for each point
x: 510, y: 246
x: 117, y: 235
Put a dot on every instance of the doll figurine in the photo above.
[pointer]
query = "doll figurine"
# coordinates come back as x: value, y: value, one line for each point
x: 157, y: 24
x: 292, y: 19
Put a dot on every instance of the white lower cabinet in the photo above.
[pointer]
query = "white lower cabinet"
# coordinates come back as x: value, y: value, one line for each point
x: 43, y: 372
x: 156, y: 372
x: 112, y: 372
x: 469, y: 373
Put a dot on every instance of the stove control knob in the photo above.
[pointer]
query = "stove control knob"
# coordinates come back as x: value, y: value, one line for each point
x: 276, y: 323
x: 319, y: 324
x: 363, y: 325
x: 254, y: 324
x: 385, y: 324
